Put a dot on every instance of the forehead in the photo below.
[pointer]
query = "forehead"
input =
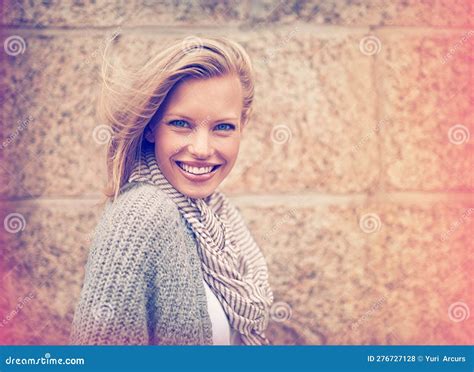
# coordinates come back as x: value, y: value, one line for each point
x: 209, y: 97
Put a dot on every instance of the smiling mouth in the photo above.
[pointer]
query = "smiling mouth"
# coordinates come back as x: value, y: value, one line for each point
x: 197, y: 171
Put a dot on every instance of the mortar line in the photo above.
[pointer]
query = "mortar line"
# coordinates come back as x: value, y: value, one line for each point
x: 413, y: 197
x: 238, y: 28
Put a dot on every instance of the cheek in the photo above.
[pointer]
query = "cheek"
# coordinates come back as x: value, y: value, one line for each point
x: 167, y: 144
x: 230, y: 149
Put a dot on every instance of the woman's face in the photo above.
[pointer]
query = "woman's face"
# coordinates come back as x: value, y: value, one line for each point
x: 197, y: 139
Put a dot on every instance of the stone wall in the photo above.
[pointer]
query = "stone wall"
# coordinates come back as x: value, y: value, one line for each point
x: 355, y: 174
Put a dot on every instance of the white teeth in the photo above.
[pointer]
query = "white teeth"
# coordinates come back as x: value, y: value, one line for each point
x: 195, y: 170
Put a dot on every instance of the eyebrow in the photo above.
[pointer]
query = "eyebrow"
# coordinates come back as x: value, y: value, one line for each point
x: 190, y: 119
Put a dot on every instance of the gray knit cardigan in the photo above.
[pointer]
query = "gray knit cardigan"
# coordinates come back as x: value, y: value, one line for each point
x: 143, y: 280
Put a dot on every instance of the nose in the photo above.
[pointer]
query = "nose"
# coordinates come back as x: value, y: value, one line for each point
x: 200, y: 146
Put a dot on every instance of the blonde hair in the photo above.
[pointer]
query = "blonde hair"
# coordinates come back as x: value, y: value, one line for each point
x: 130, y: 99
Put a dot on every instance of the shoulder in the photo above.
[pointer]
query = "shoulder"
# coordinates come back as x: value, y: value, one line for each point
x: 140, y: 205
x: 142, y: 218
x: 143, y: 201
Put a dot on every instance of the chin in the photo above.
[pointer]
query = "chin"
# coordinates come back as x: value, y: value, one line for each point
x: 197, y: 194
x: 197, y: 191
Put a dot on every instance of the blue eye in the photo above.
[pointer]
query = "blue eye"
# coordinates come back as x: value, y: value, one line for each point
x: 179, y: 123
x: 225, y: 127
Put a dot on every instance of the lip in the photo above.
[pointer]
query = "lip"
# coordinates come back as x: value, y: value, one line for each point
x: 198, y: 164
x: 197, y: 177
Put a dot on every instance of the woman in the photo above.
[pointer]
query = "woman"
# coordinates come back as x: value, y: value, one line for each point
x: 172, y: 261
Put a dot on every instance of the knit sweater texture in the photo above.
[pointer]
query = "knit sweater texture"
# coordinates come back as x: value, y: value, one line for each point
x: 143, y: 280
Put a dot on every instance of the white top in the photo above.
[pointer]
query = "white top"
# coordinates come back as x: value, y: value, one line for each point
x: 222, y: 332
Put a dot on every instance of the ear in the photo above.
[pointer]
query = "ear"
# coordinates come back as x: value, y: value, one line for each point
x: 149, y: 134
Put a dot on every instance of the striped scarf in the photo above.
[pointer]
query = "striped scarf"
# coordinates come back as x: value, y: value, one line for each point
x: 232, y: 264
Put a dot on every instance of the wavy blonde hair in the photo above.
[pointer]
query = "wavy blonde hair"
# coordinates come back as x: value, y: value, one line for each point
x: 130, y: 99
